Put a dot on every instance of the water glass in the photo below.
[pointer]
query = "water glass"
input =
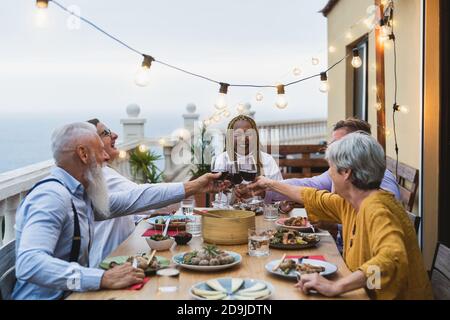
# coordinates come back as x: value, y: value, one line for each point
x: 168, y: 280
x: 271, y: 212
x: 194, y: 225
x: 187, y: 207
x: 258, y: 242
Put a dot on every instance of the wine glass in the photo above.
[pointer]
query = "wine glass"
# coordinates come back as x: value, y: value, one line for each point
x: 220, y: 167
x: 233, y: 173
x: 248, y: 170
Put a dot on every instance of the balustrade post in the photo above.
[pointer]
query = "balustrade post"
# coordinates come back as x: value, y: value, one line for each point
x: 133, y: 127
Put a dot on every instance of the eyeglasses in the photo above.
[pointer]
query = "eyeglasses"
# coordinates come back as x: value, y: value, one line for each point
x: 106, y: 133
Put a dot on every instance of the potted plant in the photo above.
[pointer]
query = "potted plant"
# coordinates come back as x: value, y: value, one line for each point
x: 143, y: 167
x: 201, y: 157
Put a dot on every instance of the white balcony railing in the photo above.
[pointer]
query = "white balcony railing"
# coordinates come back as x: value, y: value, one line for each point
x: 15, y: 184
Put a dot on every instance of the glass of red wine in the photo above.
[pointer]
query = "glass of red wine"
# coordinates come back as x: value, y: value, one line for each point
x: 233, y: 173
x: 219, y: 167
x: 248, y: 169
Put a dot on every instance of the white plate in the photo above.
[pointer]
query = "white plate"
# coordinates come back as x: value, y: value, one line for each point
x: 329, y: 268
x: 226, y: 283
x: 178, y: 259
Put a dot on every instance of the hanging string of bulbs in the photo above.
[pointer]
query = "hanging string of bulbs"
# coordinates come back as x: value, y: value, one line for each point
x: 143, y: 76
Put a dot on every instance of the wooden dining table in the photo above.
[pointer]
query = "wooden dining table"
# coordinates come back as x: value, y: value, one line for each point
x: 250, y: 268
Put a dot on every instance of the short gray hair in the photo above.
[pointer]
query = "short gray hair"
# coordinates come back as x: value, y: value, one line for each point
x: 362, y: 154
x: 66, y: 137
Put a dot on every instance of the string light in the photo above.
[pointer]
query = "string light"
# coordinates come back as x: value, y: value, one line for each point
x: 281, y: 102
x: 142, y: 77
x: 162, y: 142
x: 142, y: 148
x: 122, y: 154
x: 315, y: 61
x: 401, y: 109
x: 324, y: 85
x: 297, y: 71
x: 42, y: 4
x: 240, y: 108
x: 378, y: 106
x: 332, y: 49
x: 259, y: 97
x: 221, y: 102
x: 356, y: 61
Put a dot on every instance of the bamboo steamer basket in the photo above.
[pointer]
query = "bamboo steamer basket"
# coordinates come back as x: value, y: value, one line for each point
x: 230, y: 229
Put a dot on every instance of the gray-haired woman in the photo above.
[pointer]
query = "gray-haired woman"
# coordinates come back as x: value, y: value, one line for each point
x: 380, y: 243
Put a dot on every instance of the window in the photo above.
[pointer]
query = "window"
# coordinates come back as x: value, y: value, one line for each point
x: 360, y: 80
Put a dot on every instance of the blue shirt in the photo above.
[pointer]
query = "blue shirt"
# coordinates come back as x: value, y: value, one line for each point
x: 109, y: 234
x: 44, y: 232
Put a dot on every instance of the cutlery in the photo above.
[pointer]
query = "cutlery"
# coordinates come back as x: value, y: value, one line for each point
x: 151, y: 258
x: 166, y: 228
x: 279, y: 263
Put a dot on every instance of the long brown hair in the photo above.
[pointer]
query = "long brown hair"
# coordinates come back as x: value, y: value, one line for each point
x: 229, y: 145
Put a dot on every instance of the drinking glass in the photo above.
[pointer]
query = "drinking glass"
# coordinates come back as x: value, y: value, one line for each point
x: 187, y: 207
x: 258, y: 242
x: 271, y: 212
x: 194, y: 225
x: 168, y: 280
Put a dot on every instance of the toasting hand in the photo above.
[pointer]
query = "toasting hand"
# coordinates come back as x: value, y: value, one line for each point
x: 208, y: 183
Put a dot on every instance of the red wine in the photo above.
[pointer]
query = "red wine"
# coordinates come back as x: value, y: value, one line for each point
x: 248, y: 175
x: 223, y: 176
x: 235, y: 178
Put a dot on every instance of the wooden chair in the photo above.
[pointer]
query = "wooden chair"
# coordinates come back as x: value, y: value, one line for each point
x: 7, y: 270
x: 440, y: 273
x: 408, y: 181
x: 415, y: 220
x: 307, y: 160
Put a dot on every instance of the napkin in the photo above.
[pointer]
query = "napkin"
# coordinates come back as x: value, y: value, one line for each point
x: 151, y: 232
x: 322, y: 258
x: 138, y: 286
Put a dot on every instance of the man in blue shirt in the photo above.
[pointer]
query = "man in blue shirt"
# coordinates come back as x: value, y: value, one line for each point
x: 56, y: 219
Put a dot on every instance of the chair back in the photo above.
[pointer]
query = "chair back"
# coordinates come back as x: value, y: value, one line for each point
x: 408, y: 181
x: 415, y: 220
x: 440, y: 273
x: 7, y: 270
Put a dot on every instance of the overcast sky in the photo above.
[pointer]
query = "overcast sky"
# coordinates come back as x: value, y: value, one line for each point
x: 55, y: 71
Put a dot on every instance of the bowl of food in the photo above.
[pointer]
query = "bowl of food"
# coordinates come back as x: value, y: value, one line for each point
x: 159, y: 242
x: 182, y: 238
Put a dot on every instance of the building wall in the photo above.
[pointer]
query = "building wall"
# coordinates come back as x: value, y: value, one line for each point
x: 407, y: 28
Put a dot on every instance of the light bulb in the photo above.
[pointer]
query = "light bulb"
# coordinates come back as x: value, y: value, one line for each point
x: 378, y: 106
x: 216, y: 118
x: 386, y: 30
x: 356, y: 61
x: 315, y: 61
x: 41, y: 18
x: 281, y: 102
x: 207, y: 122
x: 324, y: 86
x: 403, y: 109
x: 122, y: 154
x: 259, y: 97
x: 162, y: 142
x: 332, y: 49
x: 240, y: 108
x: 297, y: 71
x: 226, y: 113
x: 142, y: 77
x: 387, y: 132
x: 142, y: 148
x: 349, y: 35
x: 221, y: 102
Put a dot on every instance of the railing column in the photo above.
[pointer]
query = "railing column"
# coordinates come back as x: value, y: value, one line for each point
x: 133, y: 127
x: 10, y: 217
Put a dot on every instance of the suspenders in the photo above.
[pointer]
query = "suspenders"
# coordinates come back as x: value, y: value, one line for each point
x: 76, y: 240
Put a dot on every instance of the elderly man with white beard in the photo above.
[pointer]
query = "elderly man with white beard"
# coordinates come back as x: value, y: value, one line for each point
x: 54, y: 223
x: 109, y: 234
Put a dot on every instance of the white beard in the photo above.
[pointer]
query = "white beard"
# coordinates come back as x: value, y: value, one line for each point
x: 97, y: 190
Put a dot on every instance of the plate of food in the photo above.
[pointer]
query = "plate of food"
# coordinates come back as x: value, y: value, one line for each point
x: 209, y: 258
x: 232, y: 289
x: 286, y: 239
x: 142, y: 260
x: 289, y: 268
x: 295, y: 223
x: 177, y: 222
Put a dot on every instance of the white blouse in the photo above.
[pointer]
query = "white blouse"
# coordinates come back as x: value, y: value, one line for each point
x: 270, y: 166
